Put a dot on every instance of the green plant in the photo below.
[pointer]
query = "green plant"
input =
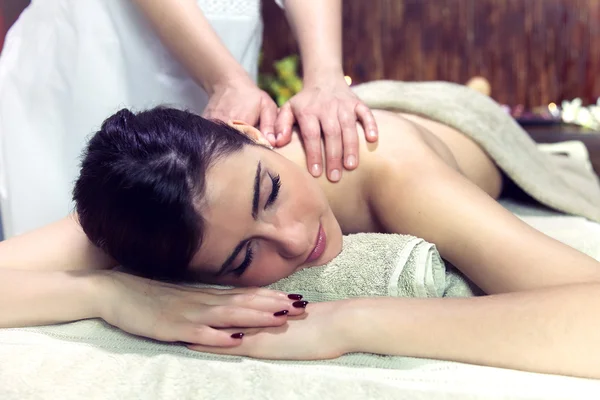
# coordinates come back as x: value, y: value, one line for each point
x: 285, y: 82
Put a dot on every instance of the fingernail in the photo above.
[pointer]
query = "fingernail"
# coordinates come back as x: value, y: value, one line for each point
x: 315, y: 170
x: 278, y: 136
x: 295, y: 296
x: 351, y: 161
x: 372, y: 133
x: 271, y: 137
x: 281, y: 313
x: 300, y: 304
x: 335, y: 175
x: 238, y: 335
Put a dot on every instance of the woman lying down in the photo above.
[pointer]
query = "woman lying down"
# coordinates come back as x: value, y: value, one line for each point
x: 173, y: 196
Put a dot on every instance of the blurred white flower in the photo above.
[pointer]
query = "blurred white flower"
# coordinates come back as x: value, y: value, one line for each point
x: 573, y: 112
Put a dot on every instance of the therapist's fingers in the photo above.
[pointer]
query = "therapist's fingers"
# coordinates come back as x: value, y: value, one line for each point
x: 347, y: 121
x: 284, y: 124
x: 333, y: 148
x: 367, y: 120
x: 310, y: 129
x: 268, y: 116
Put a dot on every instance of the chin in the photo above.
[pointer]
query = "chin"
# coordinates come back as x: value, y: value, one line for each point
x: 335, y: 246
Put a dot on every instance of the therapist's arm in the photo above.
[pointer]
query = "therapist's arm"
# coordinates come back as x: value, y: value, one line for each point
x: 184, y: 30
x: 317, y: 26
x: 326, y: 101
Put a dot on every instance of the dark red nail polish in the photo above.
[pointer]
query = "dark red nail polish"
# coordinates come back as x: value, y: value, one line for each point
x: 300, y: 304
x: 238, y: 335
x: 295, y: 296
x: 280, y: 313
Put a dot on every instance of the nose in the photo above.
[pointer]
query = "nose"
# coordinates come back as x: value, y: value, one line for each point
x: 292, y: 240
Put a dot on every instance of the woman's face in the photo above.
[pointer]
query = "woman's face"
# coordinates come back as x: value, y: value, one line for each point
x: 265, y: 218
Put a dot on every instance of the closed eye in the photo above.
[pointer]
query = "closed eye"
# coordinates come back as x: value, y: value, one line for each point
x: 276, y: 180
x: 276, y: 185
x: 239, y: 271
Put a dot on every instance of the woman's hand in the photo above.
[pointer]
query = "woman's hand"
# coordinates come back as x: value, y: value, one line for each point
x: 318, y: 334
x: 172, y: 313
x: 329, y: 105
x: 243, y: 100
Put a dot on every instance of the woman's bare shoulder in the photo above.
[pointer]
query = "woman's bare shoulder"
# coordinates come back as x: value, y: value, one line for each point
x: 349, y: 198
x: 61, y: 245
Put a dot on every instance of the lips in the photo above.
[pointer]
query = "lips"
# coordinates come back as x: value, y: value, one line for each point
x: 320, y: 245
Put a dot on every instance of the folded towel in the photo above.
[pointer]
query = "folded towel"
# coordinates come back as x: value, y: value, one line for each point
x: 377, y: 264
x: 559, y: 182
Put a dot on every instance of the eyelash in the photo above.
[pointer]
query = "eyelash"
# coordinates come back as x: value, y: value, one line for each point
x: 275, y: 192
x: 247, y: 261
x: 239, y: 271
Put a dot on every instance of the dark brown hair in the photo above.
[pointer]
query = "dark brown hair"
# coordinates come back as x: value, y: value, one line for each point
x: 141, y: 176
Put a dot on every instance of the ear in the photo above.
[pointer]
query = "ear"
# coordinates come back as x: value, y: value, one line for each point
x: 251, y: 132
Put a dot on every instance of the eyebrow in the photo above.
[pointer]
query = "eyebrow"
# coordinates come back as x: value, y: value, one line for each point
x: 256, y: 191
x: 255, y: 200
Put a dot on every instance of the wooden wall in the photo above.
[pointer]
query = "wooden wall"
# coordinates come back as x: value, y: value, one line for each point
x: 532, y: 51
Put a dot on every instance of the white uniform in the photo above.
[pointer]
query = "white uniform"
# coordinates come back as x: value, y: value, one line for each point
x: 69, y: 64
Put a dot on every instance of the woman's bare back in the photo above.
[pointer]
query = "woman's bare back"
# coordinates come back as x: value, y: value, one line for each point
x: 425, y: 179
x: 398, y: 133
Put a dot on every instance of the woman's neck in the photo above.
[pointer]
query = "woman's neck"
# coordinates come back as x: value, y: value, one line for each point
x: 348, y: 197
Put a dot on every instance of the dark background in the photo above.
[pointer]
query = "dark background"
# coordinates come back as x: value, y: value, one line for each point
x: 533, y: 52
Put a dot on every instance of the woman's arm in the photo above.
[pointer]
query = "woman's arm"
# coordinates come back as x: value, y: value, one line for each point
x: 47, y: 276
x: 553, y: 330
x: 53, y: 275
x: 47, y: 297
x: 59, y: 246
x: 137, y: 305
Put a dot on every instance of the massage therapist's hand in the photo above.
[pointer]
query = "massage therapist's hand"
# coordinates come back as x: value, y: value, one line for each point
x: 172, y: 313
x: 329, y: 105
x: 242, y: 100
x: 321, y: 333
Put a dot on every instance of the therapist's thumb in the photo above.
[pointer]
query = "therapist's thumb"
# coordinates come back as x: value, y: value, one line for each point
x: 268, y: 115
x: 283, y: 125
